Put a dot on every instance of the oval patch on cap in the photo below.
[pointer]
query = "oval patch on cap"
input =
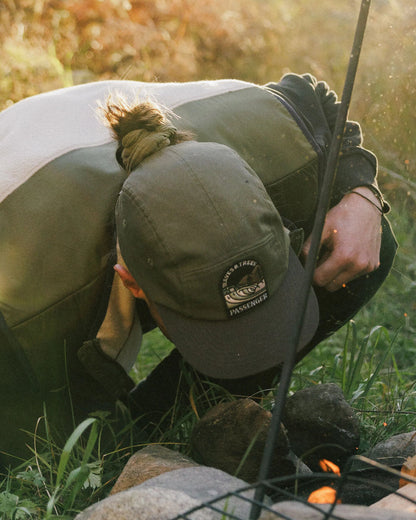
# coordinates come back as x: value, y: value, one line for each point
x: 243, y: 287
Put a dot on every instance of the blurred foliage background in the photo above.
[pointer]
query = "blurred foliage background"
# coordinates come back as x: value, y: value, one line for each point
x: 47, y: 44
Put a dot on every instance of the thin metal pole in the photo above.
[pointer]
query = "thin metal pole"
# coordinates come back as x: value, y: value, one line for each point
x: 322, y: 208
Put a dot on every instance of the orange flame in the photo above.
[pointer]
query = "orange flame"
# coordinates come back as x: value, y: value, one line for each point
x: 408, y: 470
x: 328, y: 466
x: 325, y: 494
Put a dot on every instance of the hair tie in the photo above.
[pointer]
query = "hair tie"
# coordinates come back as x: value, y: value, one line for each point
x: 139, y: 144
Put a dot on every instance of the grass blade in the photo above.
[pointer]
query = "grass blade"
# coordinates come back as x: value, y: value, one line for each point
x: 69, y: 446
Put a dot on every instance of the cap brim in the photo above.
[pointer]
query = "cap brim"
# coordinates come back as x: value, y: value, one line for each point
x: 252, y: 342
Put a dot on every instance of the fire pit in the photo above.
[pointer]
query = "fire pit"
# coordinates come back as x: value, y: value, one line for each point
x: 315, y: 459
x: 289, y: 505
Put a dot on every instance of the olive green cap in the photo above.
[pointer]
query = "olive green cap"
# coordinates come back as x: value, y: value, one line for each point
x: 202, y: 238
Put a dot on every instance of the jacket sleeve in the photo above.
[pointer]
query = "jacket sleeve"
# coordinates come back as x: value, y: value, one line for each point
x: 318, y: 106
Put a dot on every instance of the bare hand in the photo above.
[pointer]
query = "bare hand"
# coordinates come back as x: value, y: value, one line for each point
x: 350, y: 242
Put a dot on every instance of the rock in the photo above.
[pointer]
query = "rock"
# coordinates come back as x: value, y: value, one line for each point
x: 346, y: 512
x: 394, y: 451
x: 231, y: 437
x: 148, y: 463
x: 321, y: 424
x: 151, y: 503
x: 206, y: 484
x: 176, y: 492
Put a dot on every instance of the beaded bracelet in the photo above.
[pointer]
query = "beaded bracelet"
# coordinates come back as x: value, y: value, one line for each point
x: 369, y: 200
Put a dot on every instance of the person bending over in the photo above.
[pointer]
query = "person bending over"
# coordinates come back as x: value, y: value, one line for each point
x: 190, y: 210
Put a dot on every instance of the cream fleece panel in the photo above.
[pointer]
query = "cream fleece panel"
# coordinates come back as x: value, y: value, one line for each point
x: 120, y: 334
x: 37, y: 130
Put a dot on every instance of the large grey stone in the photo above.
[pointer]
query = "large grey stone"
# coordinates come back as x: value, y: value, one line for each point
x: 175, y: 492
x: 395, y: 450
x: 205, y: 484
x: 148, y: 463
x: 298, y: 511
x: 150, y: 503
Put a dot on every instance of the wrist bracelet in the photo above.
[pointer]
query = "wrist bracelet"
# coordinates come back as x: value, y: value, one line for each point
x: 369, y: 200
x: 379, y: 197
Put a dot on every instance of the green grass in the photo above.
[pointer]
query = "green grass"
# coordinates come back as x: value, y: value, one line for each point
x: 154, y: 348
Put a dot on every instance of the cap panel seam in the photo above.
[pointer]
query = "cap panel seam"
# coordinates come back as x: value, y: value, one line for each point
x: 196, y: 178
x: 141, y: 207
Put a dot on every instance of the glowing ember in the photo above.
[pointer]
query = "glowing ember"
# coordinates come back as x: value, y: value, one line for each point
x: 323, y: 495
x: 328, y: 466
x: 408, y: 470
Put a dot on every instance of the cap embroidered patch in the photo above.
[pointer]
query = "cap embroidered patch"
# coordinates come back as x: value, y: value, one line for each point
x: 243, y: 287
